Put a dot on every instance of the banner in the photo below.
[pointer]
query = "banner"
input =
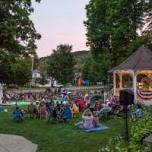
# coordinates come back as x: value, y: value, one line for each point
x: 145, y: 95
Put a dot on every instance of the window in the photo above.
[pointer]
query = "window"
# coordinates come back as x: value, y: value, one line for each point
x: 127, y: 81
x: 144, y: 81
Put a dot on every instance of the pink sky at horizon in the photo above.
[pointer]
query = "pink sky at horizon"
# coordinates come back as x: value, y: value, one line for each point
x: 59, y: 22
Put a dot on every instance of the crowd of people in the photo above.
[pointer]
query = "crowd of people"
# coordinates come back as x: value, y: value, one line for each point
x: 62, y: 106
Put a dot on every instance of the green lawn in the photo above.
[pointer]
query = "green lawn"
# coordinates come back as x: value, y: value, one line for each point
x: 60, y: 137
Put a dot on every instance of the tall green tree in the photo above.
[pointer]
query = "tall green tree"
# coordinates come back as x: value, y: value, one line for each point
x: 112, y: 29
x: 96, y: 70
x: 112, y: 26
x: 61, y: 64
x: 17, y: 34
x: 16, y: 71
x: 21, y: 71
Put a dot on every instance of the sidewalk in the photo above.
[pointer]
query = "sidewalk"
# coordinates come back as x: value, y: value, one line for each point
x: 13, y: 143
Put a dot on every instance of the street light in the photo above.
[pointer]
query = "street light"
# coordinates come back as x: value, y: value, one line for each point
x: 32, y: 66
x: 1, y: 93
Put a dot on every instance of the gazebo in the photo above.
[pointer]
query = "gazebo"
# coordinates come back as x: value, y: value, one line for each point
x: 135, y: 73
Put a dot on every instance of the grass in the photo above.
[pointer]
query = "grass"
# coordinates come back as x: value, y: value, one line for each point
x: 60, y: 137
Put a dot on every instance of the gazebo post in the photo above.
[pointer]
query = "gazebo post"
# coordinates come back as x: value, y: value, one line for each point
x: 135, y: 86
x: 114, y: 83
x: 120, y: 85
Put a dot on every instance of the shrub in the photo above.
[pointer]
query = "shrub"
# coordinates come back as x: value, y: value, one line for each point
x: 139, y: 129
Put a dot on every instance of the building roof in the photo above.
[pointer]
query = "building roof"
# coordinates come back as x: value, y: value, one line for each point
x: 36, y: 71
x: 139, y: 60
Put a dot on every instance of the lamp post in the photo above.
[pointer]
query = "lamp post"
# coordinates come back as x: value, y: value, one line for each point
x: 1, y: 93
x: 32, y: 66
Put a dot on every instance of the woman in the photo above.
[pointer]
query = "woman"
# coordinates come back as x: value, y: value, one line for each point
x: 67, y: 113
x: 87, y: 117
x: 75, y: 109
x: 42, y: 110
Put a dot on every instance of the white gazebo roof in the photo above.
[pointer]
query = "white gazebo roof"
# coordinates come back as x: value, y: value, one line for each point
x: 139, y: 60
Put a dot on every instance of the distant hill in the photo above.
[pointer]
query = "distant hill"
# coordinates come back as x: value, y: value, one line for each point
x: 77, y: 54
x: 83, y: 53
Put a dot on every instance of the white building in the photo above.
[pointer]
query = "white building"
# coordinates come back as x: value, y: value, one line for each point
x: 36, y: 74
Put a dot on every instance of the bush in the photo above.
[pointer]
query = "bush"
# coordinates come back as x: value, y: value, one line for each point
x: 139, y: 129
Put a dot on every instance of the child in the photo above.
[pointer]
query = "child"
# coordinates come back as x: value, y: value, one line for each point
x: 67, y: 113
x: 18, y: 114
x: 138, y: 113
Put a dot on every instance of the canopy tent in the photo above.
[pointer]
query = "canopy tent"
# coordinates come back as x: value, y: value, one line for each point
x: 135, y: 73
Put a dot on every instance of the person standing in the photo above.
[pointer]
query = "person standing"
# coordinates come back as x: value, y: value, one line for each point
x: 1, y: 93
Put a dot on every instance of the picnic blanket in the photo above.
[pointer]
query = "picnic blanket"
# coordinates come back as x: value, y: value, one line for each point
x: 101, y: 127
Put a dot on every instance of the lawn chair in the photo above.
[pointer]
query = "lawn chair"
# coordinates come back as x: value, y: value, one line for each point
x: 104, y: 113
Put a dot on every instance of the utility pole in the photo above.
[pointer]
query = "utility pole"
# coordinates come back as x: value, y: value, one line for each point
x: 32, y: 58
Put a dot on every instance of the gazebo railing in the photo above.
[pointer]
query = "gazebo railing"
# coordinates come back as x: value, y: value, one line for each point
x: 108, y: 95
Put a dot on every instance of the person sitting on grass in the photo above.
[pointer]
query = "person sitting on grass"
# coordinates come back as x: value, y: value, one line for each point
x: 37, y: 109
x: 67, y: 113
x: 75, y: 110
x: 98, y: 106
x: 42, y: 110
x: 87, y: 117
x: 50, y: 107
x: 96, y: 122
x: 57, y: 112
x: 32, y: 110
x: 18, y: 114
x: 138, y: 113
x: 82, y: 104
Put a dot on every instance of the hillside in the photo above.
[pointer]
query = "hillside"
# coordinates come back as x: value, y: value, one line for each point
x: 77, y: 54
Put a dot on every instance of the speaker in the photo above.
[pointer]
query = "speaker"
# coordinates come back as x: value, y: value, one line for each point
x: 126, y: 97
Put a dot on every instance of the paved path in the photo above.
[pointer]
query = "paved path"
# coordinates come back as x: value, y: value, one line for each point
x: 148, y: 140
x: 13, y: 143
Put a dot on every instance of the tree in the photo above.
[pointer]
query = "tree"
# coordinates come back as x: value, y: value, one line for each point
x: 112, y: 29
x: 96, y: 70
x: 21, y: 72
x: 17, y: 73
x: 112, y: 26
x: 17, y: 36
x: 61, y: 64
x: 16, y: 27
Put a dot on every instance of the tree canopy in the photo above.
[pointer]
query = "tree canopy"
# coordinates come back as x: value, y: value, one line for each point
x: 17, y: 36
x: 112, y: 29
x: 61, y: 64
x: 112, y: 25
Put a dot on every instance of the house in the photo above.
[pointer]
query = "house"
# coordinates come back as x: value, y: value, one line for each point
x: 36, y: 74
